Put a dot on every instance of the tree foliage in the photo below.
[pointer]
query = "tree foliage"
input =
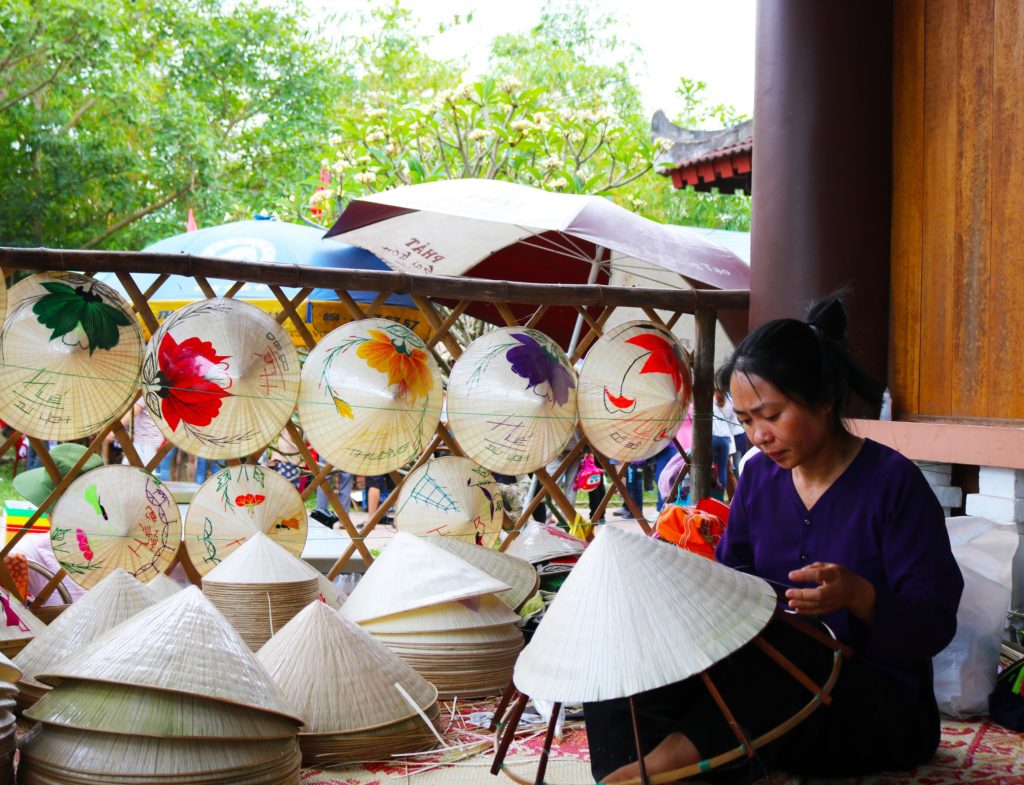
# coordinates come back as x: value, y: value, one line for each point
x: 116, y: 116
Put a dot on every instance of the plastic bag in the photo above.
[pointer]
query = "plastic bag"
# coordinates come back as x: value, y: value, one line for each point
x: 965, y: 671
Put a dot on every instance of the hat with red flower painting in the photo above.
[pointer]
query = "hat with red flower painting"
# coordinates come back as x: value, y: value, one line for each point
x: 220, y: 378
x: 634, y: 390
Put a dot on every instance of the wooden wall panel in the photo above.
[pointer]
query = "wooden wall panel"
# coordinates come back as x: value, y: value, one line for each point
x: 972, y: 238
x: 940, y: 185
x: 958, y: 210
x: 1006, y: 292
x: 907, y: 205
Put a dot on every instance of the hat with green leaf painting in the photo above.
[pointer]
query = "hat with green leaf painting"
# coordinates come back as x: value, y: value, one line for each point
x: 36, y: 484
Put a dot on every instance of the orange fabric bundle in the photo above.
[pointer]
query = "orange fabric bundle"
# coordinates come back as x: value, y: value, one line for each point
x: 690, y: 528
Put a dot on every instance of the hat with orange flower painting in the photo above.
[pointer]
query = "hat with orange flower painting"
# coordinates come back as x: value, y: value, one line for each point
x: 370, y: 396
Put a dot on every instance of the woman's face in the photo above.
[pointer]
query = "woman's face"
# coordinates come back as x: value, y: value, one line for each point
x: 784, y: 430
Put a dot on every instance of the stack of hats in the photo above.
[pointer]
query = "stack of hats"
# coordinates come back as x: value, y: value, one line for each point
x: 540, y: 543
x: 113, y: 600
x: 441, y: 615
x: 171, y: 696
x: 358, y: 700
x: 260, y: 587
x: 18, y: 625
x: 517, y: 573
x: 9, y: 674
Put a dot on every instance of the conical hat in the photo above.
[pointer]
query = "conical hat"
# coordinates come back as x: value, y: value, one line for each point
x: 113, y: 600
x: 450, y: 496
x: 139, y: 711
x: 512, y: 400
x: 163, y: 586
x: 19, y: 623
x: 181, y: 644
x: 411, y: 573
x: 474, y: 636
x: 114, y: 516
x: 539, y: 542
x: 234, y: 504
x: 371, y: 396
x: 260, y: 560
x: 9, y: 672
x: 472, y: 612
x: 634, y: 390
x: 339, y: 678
x: 112, y: 758
x: 678, y: 612
x: 517, y: 573
x: 71, y: 353
x: 221, y: 378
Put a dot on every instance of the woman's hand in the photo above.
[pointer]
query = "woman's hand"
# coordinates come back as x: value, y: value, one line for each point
x: 837, y: 588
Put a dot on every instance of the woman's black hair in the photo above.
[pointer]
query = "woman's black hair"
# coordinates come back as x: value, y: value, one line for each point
x: 807, y: 362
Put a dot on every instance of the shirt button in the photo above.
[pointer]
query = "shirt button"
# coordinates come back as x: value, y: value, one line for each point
x: 807, y: 521
x: 803, y: 557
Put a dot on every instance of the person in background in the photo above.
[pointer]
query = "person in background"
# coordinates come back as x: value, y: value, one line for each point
x: 853, y: 536
x: 722, y: 444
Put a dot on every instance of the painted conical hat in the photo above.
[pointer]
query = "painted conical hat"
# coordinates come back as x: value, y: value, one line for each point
x: 411, y: 573
x: 451, y: 496
x: 684, y: 612
x: 339, y: 678
x: 9, y: 672
x: 182, y: 644
x: 3, y: 298
x: 113, y: 600
x: 634, y: 390
x: 163, y: 586
x: 517, y: 573
x: 19, y: 623
x: 470, y: 613
x: 221, y: 378
x: 234, y: 504
x: 260, y: 560
x: 539, y: 542
x: 512, y: 400
x: 371, y: 396
x: 71, y: 354
x: 114, y: 516
x: 139, y: 711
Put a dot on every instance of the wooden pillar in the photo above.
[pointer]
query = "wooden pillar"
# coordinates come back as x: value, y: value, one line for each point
x: 820, y: 210
x: 703, y: 388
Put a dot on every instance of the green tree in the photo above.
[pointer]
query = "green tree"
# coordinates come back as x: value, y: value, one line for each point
x: 117, y: 115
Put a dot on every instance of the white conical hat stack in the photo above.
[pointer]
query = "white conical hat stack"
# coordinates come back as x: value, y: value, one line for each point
x: 163, y: 586
x: 539, y: 542
x: 139, y: 711
x: 470, y: 614
x: 517, y: 573
x: 113, y: 600
x: 18, y: 625
x: 338, y: 677
x: 411, y: 573
x: 429, y: 592
x: 260, y: 587
x: 182, y: 644
x: 684, y: 612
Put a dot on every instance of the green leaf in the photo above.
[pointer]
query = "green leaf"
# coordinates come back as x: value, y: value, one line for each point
x: 100, y: 323
x: 60, y: 310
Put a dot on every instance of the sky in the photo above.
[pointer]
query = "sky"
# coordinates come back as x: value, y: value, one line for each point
x: 707, y: 40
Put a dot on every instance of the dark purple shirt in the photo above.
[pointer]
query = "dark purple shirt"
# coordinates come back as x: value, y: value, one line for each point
x: 880, y: 520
